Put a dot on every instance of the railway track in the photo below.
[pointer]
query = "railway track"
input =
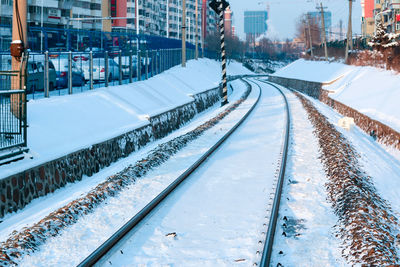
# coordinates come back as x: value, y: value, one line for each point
x: 108, y: 245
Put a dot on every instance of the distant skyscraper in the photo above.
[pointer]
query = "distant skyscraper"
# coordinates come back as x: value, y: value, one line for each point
x: 255, y: 23
x: 316, y: 17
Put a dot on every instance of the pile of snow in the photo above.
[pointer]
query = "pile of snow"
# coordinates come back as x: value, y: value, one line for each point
x: 314, y: 71
x: 371, y: 91
x: 64, y: 124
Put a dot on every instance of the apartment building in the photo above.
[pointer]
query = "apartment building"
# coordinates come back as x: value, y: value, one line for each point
x: 315, y: 16
x: 164, y: 18
x: 156, y: 17
x: 367, y: 19
x: 389, y: 12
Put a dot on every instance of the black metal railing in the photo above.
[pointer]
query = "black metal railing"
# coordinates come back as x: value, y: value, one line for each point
x: 13, y: 118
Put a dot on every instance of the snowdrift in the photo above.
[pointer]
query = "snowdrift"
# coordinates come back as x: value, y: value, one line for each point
x: 371, y: 91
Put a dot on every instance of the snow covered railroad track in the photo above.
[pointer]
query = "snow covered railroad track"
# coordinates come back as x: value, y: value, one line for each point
x: 117, y: 246
x: 267, y: 252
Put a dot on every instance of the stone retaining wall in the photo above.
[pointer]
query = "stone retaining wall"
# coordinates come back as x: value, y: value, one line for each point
x: 384, y: 134
x: 18, y: 190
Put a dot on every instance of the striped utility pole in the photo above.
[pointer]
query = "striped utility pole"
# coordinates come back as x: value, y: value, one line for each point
x: 223, y: 55
x: 219, y: 7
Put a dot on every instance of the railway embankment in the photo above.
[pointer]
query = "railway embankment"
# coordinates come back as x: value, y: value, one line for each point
x: 366, y: 94
x: 74, y: 136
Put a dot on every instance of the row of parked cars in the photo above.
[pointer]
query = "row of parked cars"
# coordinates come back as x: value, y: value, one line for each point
x: 58, y: 70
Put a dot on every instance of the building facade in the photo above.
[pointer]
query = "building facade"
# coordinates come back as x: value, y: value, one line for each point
x: 164, y: 18
x: 315, y: 16
x: 255, y: 24
x: 228, y: 20
x: 388, y: 11
x: 367, y: 20
x: 156, y: 17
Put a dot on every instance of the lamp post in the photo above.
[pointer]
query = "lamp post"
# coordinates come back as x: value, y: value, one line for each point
x: 196, y: 31
x: 41, y: 25
x: 184, y: 33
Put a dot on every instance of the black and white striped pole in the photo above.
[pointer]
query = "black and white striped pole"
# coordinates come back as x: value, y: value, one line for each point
x: 219, y: 7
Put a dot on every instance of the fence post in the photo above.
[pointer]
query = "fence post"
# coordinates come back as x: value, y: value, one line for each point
x: 152, y: 63
x: 139, y: 66
x: 105, y: 68
x: 130, y: 66
x: 161, y: 70
x: 70, y: 72
x: 91, y: 70
x: 169, y: 58
x: 46, y: 74
x: 157, y: 53
x: 147, y: 64
x: 120, y: 66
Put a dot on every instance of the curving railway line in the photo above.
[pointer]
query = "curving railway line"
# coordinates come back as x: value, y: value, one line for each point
x: 108, y: 248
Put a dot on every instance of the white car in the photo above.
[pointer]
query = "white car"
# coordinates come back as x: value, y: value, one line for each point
x: 125, y: 65
x: 99, y: 70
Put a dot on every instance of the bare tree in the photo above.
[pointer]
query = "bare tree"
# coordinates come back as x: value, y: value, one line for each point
x: 302, y: 31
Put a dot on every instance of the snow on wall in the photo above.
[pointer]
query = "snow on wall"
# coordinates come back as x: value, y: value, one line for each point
x: 368, y: 94
x: 370, y: 91
x: 383, y: 133
x: 314, y: 71
x: 72, y: 136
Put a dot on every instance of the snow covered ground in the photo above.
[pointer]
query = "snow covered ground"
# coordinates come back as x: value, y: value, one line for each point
x: 316, y: 71
x: 218, y: 214
x: 309, y: 238
x: 90, y: 231
x: 64, y: 124
x: 383, y: 167
x: 372, y: 91
x: 43, y: 206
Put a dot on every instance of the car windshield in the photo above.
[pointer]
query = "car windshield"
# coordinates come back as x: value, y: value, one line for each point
x: 60, y: 64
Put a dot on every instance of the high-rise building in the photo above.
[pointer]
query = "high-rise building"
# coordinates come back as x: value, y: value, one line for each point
x: 255, y: 24
x: 164, y: 18
x: 156, y: 17
x: 315, y: 16
x: 367, y: 20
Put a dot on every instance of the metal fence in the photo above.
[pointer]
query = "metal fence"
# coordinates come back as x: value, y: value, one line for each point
x: 13, y: 119
x: 62, y: 73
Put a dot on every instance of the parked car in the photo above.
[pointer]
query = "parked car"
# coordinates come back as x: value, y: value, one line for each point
x: 61, y: 67
x: 125, y: 65
x: 36, y: 77
x: 35, y: 71
x: 99, y: 70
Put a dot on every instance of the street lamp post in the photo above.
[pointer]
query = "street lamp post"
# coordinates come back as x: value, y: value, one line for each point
x: 41, y: 25
x: 184, y: 33
x: 196, y: 31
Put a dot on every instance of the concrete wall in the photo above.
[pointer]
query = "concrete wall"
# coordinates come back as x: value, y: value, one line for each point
x: 20, y: 189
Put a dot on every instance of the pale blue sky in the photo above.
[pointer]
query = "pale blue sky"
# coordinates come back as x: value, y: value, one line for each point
x: 284, y: 14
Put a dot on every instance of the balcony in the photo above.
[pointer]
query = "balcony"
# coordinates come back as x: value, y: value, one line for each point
x: 394, y: 4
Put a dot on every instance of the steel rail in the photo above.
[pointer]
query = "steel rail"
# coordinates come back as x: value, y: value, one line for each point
x: 269, y: 241
x: 101, y: 251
